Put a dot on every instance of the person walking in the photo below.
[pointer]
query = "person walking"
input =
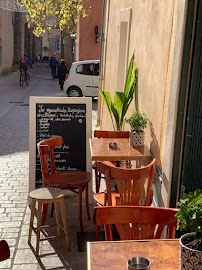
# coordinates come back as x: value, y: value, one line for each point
x: 62, y: 73
x: 53, y: 65
x: 24, y: 62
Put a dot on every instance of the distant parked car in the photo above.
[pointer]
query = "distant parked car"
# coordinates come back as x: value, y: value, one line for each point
x: 45, y: 59
x: 83, y: 79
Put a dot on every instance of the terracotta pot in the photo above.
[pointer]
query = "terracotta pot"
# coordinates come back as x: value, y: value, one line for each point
x: 136, y: 137
x: 189, y: 258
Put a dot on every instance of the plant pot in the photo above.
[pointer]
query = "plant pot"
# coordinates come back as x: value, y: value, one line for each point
x: 189, y: 258
x: 136, y: 138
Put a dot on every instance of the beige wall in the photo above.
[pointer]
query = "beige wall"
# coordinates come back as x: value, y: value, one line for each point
x: 6, y: 35
x: 153, y: 40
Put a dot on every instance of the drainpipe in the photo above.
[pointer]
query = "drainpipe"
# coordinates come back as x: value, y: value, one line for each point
x: 101, y: 75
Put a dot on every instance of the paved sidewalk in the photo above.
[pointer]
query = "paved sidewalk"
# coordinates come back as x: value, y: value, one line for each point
x: 14, y: 208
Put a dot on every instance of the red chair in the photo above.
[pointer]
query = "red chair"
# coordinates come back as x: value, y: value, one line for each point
x: 130, y: 185
x: 109, y: 134
x: 136, y: 222
x: 4, y: 250
x: 76, y: 181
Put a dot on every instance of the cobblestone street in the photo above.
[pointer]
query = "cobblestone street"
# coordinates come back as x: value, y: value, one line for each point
x: 14, y: 181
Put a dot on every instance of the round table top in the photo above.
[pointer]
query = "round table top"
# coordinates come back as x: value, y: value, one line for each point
x: 47, y: 193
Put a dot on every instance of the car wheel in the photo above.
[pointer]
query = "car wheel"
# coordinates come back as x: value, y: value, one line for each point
x: 74, y: 92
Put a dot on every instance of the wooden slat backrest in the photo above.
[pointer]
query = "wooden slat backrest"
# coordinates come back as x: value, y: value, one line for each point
x: 46, y: 152
x: 129, y: 182
x: 111, y: 134
x: 136, y: 222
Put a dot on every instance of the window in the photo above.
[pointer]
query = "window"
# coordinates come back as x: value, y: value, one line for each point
x: 96, y: 69
x: 85, y: 69
x: 56, y: 44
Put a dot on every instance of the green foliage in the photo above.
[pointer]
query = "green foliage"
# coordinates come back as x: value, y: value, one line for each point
x: 137, y: 121
x: 119, y: 105
x: 189, y: 215
x: 48, y: 14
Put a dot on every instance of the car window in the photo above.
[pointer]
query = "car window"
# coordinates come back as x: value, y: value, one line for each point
x: 96, y: 69
x: 85, y: 69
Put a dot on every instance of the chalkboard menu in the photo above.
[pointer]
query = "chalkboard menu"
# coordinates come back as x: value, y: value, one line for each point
x: 68, y: 119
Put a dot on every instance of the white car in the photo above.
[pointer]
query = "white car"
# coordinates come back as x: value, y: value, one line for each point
x: 83, y: 79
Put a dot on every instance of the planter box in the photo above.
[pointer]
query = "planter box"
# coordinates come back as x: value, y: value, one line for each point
x: 189, y: 258
x: 136, y: 138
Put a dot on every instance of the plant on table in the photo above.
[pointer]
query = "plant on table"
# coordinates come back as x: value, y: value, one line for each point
x: 189, y: 219
x: 138, y: 122
x: 121, y: 101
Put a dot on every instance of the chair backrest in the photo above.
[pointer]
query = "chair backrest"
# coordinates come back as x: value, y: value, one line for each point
x: 130, y: 183
x: 46, y: 152
x: 111, y: 134
x: 136, y: 222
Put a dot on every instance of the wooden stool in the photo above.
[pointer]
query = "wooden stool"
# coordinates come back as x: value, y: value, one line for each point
x: 44, y: 196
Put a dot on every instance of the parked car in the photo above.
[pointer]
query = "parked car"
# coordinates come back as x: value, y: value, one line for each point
x: 83, y: 79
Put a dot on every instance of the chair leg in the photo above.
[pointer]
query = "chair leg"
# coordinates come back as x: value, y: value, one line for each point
x: 52, y: 209
x: 87, y: 203
x: 64, y: 219
x: 96, y: 181
x: 44, y: 214
x: 80, y: 208
x: 97, y: 233
x: 57, y: 216
x: 39, y: 218
x: 31, y: 220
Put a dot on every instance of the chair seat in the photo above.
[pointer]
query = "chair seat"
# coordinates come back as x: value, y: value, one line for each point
x: 48, y: 193
x: 100, y: 198
x: 69, y: 179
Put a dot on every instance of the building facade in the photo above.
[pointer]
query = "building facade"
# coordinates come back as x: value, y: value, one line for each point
x: 15, y: 40
x: 154, y: 31
x: 89, y: 32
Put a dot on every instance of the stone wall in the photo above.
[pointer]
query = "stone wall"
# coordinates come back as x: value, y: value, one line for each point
x: 6, y: 41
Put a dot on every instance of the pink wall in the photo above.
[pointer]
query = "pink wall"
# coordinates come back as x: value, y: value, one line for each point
x: 87, y: 48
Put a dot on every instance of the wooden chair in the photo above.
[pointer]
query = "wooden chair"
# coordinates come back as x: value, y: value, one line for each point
x: 4, y: 250
x: 136, y: 222
x: 109, y: 134
x: 76, y: 181
x: 43, y: 196
x: 130, y: 185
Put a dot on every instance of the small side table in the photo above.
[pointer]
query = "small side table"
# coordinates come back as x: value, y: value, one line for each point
x: 44, y: 196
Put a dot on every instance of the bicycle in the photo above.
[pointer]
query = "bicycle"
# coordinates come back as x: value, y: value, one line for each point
x: 24, y: 79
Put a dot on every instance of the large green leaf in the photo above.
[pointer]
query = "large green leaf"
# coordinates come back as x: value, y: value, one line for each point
x: 128, y: 77
x: 107, y: 99
x: 119, y: 100
x: 122, y: 100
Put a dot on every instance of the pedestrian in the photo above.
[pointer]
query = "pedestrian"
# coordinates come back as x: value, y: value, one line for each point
x: 24, y: 62
x: 62, y: 73
x: 53, y: 65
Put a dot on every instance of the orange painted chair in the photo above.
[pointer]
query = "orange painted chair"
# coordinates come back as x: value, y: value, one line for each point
x: 109, y: 134
x: 76, y: 181
x: 136, y: 222
x: 130, y: 185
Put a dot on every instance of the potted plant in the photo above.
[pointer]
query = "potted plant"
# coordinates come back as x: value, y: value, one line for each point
x: 138, y: 122
x: 189, y: 219
x: 121, y: 101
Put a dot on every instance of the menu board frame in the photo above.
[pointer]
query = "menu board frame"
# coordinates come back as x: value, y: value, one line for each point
x: 32, y: 130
